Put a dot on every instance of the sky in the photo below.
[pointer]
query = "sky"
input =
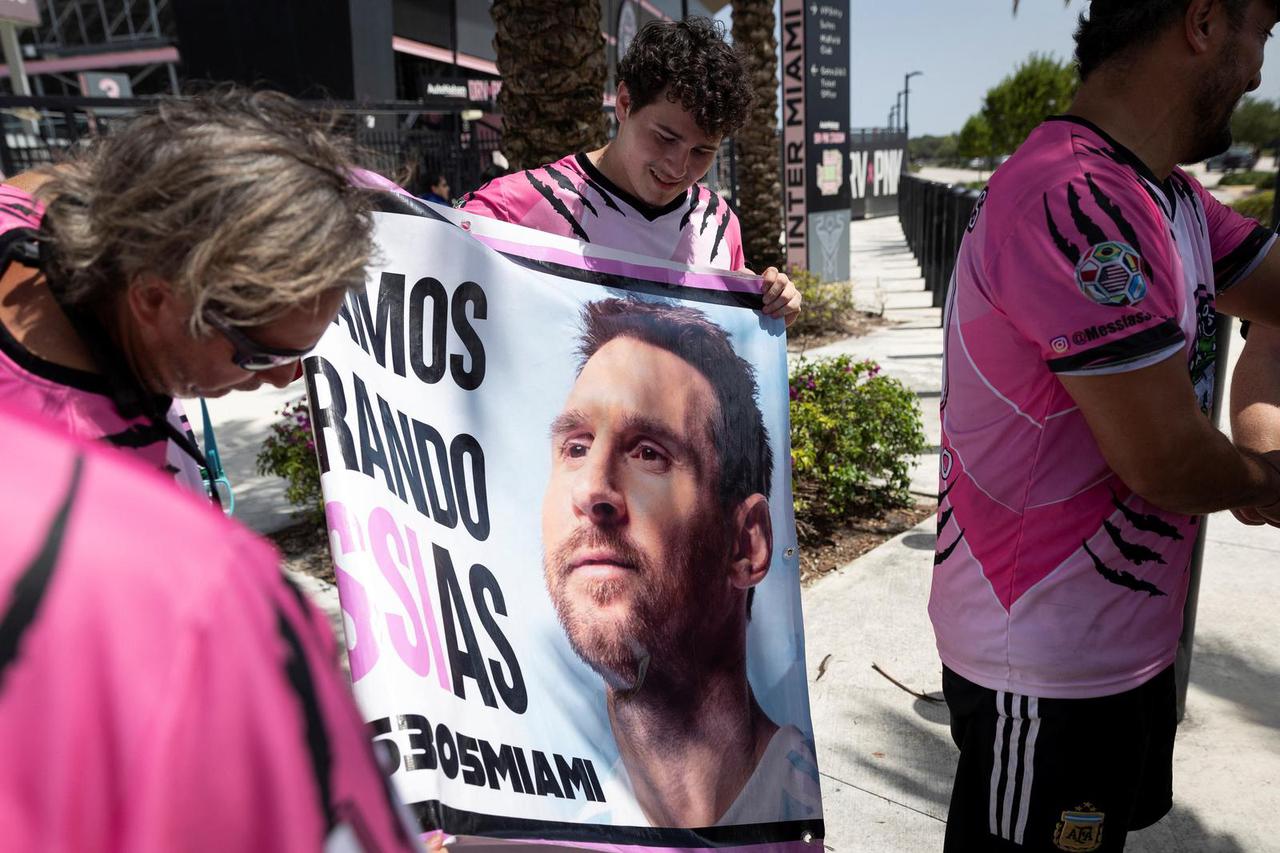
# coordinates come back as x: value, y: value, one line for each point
x: 964, y: 47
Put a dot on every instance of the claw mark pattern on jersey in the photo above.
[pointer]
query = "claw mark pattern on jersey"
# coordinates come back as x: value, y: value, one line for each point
x: 709, y: 212
x: 565, y: 184
x: 1146, y: 523
x: 1136, y: 554
x: 557, y: 205
x: 1121, y: 577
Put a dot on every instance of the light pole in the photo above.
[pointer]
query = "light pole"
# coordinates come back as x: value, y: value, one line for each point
x: 899, y: 110
x: 906, y: 126
x: 893, y: 111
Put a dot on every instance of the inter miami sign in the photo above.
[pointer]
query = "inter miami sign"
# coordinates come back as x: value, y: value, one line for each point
x: 815, y: 150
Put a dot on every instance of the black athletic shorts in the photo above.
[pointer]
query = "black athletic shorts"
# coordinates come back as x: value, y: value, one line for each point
x: 1058, y: 774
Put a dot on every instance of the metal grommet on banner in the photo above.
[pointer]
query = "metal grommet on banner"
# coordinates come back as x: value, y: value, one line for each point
x: 790, y: 552
x: 807, y: 837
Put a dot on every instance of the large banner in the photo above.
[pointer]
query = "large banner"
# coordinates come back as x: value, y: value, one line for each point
x: 557, y: 481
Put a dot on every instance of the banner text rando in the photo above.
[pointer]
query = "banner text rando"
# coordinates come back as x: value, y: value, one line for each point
x: 443, y: 480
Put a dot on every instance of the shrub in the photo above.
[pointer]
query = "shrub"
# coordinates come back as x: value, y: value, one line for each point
x: 1257, y: 206
x: 289, y: 452
x: 826, y: 306
x: 854, y: 432
x: 1262, y: 180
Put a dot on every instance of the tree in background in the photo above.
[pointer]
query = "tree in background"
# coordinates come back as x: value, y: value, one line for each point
x: 1256, y: 121
x: 974, y: 139
x: 759, y: 157
x: 936, y: 149
x: 1040, y: 87
x: 551, y: 58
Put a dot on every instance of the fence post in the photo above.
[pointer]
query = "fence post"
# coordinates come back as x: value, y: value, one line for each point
x: 1182, y: 662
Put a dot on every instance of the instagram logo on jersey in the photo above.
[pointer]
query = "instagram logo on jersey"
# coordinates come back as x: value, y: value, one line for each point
x: 1110, y: 273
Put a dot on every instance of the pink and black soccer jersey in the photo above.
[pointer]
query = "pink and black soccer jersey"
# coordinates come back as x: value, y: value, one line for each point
x: 1051, y: 577
x: 75, y: 401
x: 162, y: 686
x: 573, y: 198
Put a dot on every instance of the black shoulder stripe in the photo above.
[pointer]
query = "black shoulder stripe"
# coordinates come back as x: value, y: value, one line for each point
x: 1230, y: 268
x: 944, y: 517
x: 558, y: 206
x: 1111, y: 209
x: 33, y: 582
x: 712, y: 206
x: 1117, y: 352
x: 567, y: 186
x: 694, y: 194
x: 1065, y: 246
x: 1093, y: 235
x: 300, y: 679
x: 600, y: 191
x: 18, y: 209
x: 724, y: 225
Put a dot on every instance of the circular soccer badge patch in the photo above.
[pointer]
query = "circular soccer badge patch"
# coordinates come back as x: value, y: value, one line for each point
x: 1111, y: 274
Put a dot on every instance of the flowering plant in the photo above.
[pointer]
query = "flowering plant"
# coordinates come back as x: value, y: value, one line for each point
x: 854, y: 433
x: 289, y: 452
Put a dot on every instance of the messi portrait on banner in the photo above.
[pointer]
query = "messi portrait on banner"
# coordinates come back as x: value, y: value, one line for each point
x: 557, y: 485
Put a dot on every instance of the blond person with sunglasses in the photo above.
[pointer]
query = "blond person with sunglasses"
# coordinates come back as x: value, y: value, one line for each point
x: 202, y: 248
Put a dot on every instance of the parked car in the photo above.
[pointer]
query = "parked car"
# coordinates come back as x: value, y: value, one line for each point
x: 1235, y: 157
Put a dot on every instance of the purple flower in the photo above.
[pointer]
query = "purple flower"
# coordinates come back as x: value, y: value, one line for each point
x: 794, y: 393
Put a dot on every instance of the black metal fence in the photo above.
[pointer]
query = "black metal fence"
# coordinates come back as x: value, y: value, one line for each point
x: 934, y: 217
x: 407, y: 142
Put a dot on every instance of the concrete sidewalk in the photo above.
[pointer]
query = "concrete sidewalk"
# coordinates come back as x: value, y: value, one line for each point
x: 886, y: 756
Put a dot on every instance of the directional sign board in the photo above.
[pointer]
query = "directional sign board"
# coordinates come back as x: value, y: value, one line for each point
x: 815, y: 114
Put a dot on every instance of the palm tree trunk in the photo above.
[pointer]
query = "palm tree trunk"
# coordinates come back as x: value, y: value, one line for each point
x: 551, y: 58
x: 759, y: 150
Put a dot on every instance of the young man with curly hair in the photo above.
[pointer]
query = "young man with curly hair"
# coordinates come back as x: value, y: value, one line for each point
x: 681, y: 91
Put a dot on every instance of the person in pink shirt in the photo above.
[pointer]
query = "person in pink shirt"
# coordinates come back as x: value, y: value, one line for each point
x: 681, y: 91
x: 163, y: 686
x: 1077, y: 455
x: 201, y: 248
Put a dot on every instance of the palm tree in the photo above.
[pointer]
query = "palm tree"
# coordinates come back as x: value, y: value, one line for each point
x: 759, y: 156
x: 551, y: 58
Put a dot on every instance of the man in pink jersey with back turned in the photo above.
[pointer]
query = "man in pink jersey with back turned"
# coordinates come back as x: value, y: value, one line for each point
x: 1077, y: 452
x: 681, y: 90
x: 153, y: 702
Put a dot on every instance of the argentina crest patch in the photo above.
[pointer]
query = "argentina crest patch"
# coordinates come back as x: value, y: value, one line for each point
x: 1110, y: 273
x: 1080, y: 830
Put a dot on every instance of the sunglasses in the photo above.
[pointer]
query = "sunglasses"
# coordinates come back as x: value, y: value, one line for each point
x: 251, y: 355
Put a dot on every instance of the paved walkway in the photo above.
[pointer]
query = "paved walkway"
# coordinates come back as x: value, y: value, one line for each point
x: 886, y: 756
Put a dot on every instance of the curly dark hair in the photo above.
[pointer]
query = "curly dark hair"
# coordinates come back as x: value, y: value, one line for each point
x: 691, y: 62
x: 1112, y: 28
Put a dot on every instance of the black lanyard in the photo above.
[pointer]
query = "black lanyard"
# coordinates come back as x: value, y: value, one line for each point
x: 124, y: 388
